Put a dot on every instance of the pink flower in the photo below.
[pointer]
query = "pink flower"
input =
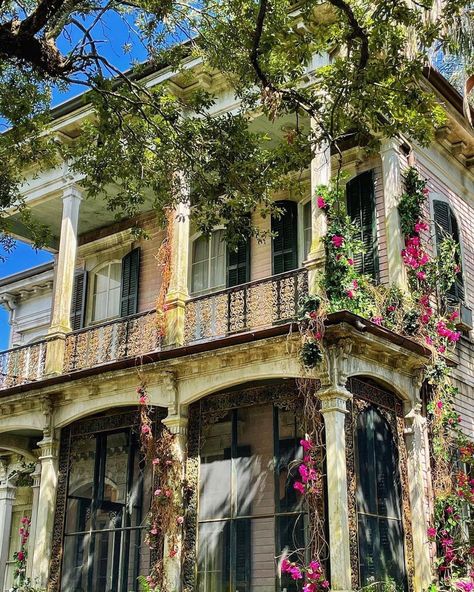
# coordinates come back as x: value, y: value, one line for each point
x: 428, y: 340
x: 310, y: 588
x: 426, y: 191
x: 146, y: 429
x: 156, y: 461
x: 306, y: 444
x: 420, y: 226
x: 432, y: 532
x: 350, y: 261
x: 391, y: 308
x: 377, y: 320
x: 143, y: 400
x: 439, y: 404
x: 350, y: 294
x: 295, y: 573
x: 304, y: 473
x: 20, y: 556
x: 449, y: 510
x: 421, y: 275
x: 454, y: 315
x: 285, y: 566
x: 355, y: 284
x: 25, y: 520
x: 180, y: 519
x: 154, y: 531
x: 325, y: 584
x: 298, y: 486
x: 314, y: 566
x: 465, y: 586
x: 441, y: 349
x: 158, y: 492
x: 337, y: 241
x: 321, y: 202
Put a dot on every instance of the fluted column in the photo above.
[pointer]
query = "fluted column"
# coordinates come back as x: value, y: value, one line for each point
x: 178, y: 287
x: 333, y: 409
x: 64, y: 279
x: 418, y: 463
x: 45, y: 509
x: 177, y: 425
x: 392, y: 189
x: 320, y: 175
x: 7, y: 497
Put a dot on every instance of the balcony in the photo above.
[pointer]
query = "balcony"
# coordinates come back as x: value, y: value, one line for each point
x: 246, y: 308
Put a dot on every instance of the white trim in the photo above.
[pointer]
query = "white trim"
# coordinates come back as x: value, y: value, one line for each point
x: 90, y: 321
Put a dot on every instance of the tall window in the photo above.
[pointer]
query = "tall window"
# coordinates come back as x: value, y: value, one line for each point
x: 248, y: 510
x: 106, y: 292
x: 447, y: 225
x: 103, y: 544
x: 285, y: 240
x: 213, y: 266
x: 307, y: 229
x: 380, y: 531
x: 361, y: 210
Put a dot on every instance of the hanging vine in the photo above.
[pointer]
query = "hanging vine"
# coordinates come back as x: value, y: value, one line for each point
x: 165, y: 517
x: 163, y: 258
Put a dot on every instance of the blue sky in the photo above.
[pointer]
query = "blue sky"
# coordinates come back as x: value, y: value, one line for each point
x: 113, y: 34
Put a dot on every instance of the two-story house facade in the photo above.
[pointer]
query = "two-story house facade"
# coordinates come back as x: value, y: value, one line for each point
x: 216, y: 344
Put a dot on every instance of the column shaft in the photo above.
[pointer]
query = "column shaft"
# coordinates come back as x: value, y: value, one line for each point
x: 34, y: 514
x: 7, y: 496
x: 333, y: 408
x: 45, y: 512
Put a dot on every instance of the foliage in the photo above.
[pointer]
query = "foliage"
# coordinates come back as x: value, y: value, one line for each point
x: 22, y: 583
x: 142, y: 134
x: 310, y: 353
x: 166, y: 515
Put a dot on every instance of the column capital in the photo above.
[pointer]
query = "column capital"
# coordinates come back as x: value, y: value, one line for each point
x: 73, y: 191
x: 7, y: 492
x: 334, y: 399
x: 176, y: 424
x: 48, y: 449
x: 390, y: 144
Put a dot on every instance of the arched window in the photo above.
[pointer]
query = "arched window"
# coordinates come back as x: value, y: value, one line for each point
x: 103, y: 498
x: 106, y: 291
x: 378, y: 499
x: 285, y: 240
x: 214, y: 266
x: 249, y: 511
x: 361, y: 210
x: 447, y: 225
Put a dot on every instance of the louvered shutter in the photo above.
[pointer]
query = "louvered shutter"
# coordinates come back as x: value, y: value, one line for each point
x: 285, y: 242
x: 238, y: 265
x: 446, y: 224
x: 361, y: 210
x: 78, y: 304
x: 129, y: 288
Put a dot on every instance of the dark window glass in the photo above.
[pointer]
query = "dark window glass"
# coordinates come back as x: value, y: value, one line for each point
x: 248, y: 510
x: 285, y: 241
x: 447, y: 225
x: 103, y: 534
x: 361, y: 210
x: 380, y: 533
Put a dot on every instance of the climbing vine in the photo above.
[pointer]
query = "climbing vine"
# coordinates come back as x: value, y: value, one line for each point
x: 165, y: 517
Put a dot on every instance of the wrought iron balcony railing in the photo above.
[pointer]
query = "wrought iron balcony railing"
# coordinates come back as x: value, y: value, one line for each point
x: 23, y: 364
x: 128, y: 337
x: 248, y: 307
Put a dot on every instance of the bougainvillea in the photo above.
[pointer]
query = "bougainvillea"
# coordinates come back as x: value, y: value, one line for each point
x: 165, y: 517
x: 20, y: 557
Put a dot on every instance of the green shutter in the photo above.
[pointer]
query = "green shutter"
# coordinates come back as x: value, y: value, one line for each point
x: 238, y: 265
x: 285, y: 241
x: 361, y: 210
x: 446, y: 224
x: 129, y: 290
x: 78, y: 304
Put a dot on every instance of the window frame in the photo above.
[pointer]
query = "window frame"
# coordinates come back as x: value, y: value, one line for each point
x: 91, y: 292
x: 191, y: 264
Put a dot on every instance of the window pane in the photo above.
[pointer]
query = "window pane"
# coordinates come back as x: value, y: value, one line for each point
x: 291, y: 534
x: 200, y: 277
x: 214, y: 557
x: 289, y: 450
x: 215, y: 475
x: 253, y: 461
x: 260, y: 548
x: 114, y: 303
x: 218, y: 259
x: 74, y: 571
x: 116, y: 467
x: 100, y: 306
x: 101, y: 280
x: 81, y: 485
x: 200, y: 249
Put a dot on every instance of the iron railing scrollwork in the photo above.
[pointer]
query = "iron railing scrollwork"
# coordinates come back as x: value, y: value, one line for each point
x: 255, y: 305
x: 24, y: 364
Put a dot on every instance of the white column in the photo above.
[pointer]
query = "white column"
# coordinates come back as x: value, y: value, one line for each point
x: 45, y: 512
x: 392, y: 190
x: 178, y: 287
x: 7, y: 497
x: 320, y: 170
x: 177, y: 425
x: 418, y: 463
x: 333, y: 409
x: 64, y: 281
x: 36, y: 476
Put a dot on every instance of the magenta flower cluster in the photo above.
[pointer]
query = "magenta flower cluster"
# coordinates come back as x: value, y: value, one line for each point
x: 309, y: 478
x: 312, y: 575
